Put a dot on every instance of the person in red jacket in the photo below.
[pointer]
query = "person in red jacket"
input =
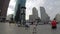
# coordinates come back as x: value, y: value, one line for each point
x: 54, y: 24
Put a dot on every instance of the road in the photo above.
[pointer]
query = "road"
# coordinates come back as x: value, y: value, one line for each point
x: 5, y: 28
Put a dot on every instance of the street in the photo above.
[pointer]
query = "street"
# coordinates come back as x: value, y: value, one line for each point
x: 6, y: 28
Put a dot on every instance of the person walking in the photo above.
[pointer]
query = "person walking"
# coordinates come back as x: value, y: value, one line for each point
x: 54, y: 24
x: 27, y: 25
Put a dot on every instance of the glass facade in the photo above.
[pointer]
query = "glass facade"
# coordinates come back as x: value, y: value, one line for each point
x: 20, y: 11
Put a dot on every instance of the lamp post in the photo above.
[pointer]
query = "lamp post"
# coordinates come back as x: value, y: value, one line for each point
x: 23, y: 21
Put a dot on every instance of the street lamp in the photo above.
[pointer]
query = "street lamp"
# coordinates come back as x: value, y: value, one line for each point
x: 23, y: 21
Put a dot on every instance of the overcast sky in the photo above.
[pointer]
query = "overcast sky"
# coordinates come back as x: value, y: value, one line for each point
x: 11, y: 7
x: 52, y: 7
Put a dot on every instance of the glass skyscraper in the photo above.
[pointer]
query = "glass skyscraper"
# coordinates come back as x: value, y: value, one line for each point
x: 20, y: 11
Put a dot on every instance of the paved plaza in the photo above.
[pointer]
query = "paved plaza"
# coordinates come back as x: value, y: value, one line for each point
x: 5, y: 28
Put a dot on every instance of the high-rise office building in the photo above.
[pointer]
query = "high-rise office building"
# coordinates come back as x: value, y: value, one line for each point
x: 17, y: 13
x: 20, y: 11
x: 35, y: 13
x: 34, y: 16
x: 57, y: 18
x: 3, y: 8
x: 44, y: 17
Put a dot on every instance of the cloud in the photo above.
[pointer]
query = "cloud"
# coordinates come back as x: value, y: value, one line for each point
x: 52, y: 7
x: 11, y: 7
x: 33, y: 3
x: 10, y: 11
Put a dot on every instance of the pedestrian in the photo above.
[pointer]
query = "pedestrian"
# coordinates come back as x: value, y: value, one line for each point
x: 31, y: 23
x: 27, y: 26
x: 54, y: 24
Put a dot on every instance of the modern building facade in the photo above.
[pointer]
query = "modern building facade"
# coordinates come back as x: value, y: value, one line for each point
x: 57, y: 17
x: 44, y: 17
x: 34, y: 16
x: 3, y: 8
x: 20, y: 11
x: 35, y: 13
